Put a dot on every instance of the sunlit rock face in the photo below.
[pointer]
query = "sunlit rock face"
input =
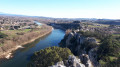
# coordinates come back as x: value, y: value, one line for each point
x: 78, y: 44
x: 71, y: 62
x: 86, y: 60
x: 59, y: 64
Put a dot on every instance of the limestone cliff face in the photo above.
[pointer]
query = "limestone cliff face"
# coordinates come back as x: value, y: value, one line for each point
x: 71, y: 62
x: 84, y: 47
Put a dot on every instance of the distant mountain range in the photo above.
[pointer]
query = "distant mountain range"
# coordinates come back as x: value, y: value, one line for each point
x: 93, y: 19
x: 7, y: 14
x: 1, y: 13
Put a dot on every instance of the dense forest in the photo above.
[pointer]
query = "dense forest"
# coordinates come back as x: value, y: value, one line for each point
x: 109, y: 52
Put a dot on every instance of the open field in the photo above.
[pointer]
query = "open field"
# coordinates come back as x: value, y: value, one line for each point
x: 13, y: 33
x: 116, y: 34
x: 98, y: 25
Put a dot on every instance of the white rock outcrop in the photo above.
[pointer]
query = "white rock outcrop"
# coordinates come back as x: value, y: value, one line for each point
x: 79, y: 47
x: 71, y: 62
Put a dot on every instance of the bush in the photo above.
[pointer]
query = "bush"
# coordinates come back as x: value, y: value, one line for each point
x: 49, y: 56
x: 2, y: 35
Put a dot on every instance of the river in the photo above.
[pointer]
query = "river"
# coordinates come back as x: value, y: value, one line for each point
x: 22, y: 56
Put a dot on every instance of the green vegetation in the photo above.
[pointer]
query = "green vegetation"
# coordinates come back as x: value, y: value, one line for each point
x: 49, y: 56
x: 116, y: 34
x: 88, y: 45
x: 2, y: 35
x: 16, y: 31
x: 109, y: 50
x: 1, y: 44
x: 97, y: 34
x: 115, y: 63
x: 98, y: 25
x: 13, y: 33
x: 26, y: 30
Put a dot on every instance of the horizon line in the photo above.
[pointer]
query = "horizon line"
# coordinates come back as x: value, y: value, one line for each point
x: 58, y: 17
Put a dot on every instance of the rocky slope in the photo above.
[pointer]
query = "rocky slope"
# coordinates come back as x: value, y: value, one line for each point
x: 71, y: 62
x: 84, y: 47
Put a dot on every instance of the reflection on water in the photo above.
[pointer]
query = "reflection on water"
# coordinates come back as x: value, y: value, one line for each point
x: 22, y: 55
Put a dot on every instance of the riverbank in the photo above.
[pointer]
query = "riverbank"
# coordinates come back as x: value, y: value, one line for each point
x: 22, y: 56
x: 8, y: 54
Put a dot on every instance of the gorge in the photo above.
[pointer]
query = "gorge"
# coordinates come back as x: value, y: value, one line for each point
x: 84, y: 44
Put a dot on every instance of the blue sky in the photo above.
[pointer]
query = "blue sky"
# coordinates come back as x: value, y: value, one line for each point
x: 63, y: 8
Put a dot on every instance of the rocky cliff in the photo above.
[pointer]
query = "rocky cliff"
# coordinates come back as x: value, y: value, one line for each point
x: 84, y: 47
x: 71, y: 62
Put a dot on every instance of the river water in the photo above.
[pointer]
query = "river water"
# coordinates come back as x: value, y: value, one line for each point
x: 22, y: 56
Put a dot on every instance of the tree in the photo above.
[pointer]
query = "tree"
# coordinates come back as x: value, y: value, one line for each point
x: 109, y: 49
x: 49, y: 56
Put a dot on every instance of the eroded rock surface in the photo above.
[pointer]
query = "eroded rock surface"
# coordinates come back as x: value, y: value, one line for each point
x: 82, y: 46
x: 71, y: 62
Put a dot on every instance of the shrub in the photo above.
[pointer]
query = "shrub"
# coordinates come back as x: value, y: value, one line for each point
x: 2, y: 35
x: 49, y: 56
